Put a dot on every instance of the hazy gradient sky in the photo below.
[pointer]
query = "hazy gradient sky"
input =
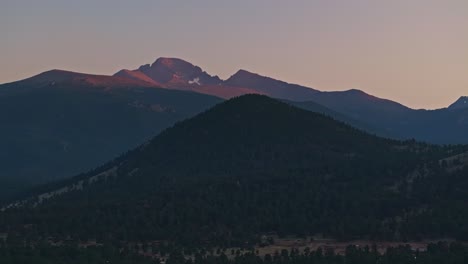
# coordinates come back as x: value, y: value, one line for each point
x: 411, y: 51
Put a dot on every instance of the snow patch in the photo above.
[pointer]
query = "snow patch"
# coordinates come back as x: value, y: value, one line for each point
x: 195, y: 81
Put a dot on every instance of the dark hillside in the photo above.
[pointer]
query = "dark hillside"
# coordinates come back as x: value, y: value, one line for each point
x: 59, y: 124
x: 249, y: 166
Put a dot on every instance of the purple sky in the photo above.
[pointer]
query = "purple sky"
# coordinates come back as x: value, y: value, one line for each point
x: 411, y: 51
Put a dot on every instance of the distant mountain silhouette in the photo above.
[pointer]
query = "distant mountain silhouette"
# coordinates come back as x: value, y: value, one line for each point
x: 461, y: 103
x: 178, y: 74
x: 380, y: 116
x: 177, y: 71
x: 60, y: 77
x: 318, y: 108
x: 269, y: 86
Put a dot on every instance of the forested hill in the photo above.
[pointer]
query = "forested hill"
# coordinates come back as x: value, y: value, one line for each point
x: 254, y: 165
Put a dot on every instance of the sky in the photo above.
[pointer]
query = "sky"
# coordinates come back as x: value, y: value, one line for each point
x: 411, y: 51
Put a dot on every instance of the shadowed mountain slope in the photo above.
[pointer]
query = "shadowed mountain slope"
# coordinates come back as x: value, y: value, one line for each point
x: 60, y: 123
x: 254, y: 165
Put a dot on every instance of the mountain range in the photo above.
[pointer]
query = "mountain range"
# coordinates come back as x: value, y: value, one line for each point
x: 60, y: 123
x: 385, y: 117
